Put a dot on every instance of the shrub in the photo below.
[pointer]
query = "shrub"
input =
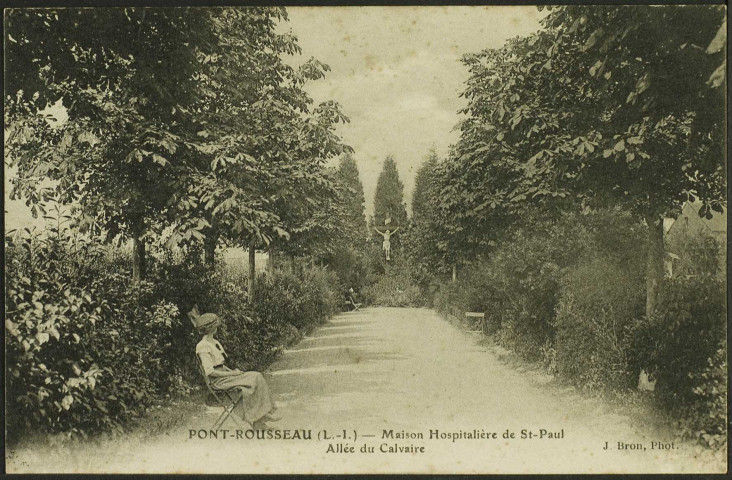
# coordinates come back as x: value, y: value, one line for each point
x: 392, y: 292
x: 705, y: 418
x: 83, y: 351
x: 251, y: 341
x: 699, y: 254
x: 450, y: 299
x: 600, y: 304
x: 474, y: 291
x: 679, y: 347
x: 572, y: 295
x: 285, y: 306
x: 527, y: 291
x: 299, y: 300
x: 682, y: 345
x: 279, y: 298
x: 518, y: 285
x: 87, y: 349
x: 394, y: 288
x: 350, y: 266
x: 323, y: 297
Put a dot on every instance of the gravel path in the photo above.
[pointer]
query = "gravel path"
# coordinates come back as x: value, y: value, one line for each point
x: 389, y: 379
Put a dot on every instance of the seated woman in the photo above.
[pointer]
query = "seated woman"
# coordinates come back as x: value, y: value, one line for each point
x: 257, y: 405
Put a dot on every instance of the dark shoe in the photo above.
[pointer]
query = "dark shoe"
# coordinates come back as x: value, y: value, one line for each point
x: 272, y: 417
x: 260, y: 424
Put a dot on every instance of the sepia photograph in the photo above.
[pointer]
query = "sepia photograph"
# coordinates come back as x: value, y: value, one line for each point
x: 414, y: 239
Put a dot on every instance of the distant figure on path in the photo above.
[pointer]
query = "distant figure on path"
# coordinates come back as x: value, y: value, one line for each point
x: 386, y: 245
x: 352, y: 301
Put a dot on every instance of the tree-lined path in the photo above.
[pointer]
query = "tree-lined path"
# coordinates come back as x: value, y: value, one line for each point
x: 402, y: 370
x: 409, y: 370
x: 152, y: 142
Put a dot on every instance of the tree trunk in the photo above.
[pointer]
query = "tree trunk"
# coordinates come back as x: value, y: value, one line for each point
x: 271, y: 262
x: 252, y: 271
x: 454, y: 273
x: 139, y: 262
x: 654, y: 263
x: 209, y: 247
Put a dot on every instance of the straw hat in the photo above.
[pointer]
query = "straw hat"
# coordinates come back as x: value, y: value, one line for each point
x: 203, y: 323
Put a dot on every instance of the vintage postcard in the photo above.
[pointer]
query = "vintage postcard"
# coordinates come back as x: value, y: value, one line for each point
x: 366, y: 239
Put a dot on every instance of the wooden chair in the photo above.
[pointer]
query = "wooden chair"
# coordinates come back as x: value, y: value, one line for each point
x: 475, y: 320
x: 226, y: 399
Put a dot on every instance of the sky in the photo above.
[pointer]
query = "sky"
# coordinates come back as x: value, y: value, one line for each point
x: 397, y: 75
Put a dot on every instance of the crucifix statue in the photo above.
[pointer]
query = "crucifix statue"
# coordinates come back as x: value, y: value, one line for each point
x: 386, y: 245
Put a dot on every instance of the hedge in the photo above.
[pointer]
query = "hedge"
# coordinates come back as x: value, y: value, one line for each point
x: 571, y: 294
x: 87, y: 350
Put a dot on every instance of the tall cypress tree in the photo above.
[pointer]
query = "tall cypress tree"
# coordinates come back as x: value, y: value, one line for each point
x: 389, y: 203
x: 422, y: 196
x: 424, y: 235
x: 353, y: 201
x: 347, y: 259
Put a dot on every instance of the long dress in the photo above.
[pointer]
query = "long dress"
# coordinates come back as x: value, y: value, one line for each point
x: 257, y: 397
